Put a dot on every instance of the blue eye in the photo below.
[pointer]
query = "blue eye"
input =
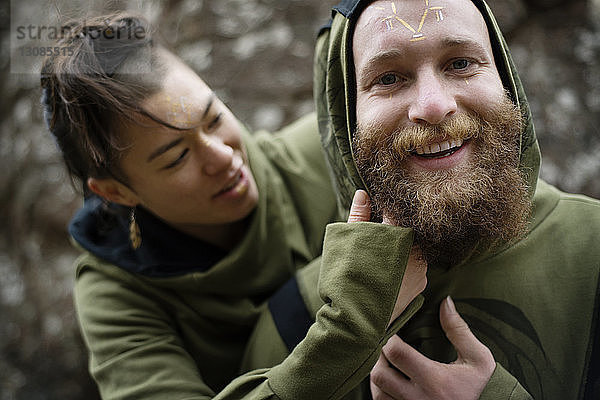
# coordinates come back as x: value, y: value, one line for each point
x: 388, y: 79
x: 460, y: 64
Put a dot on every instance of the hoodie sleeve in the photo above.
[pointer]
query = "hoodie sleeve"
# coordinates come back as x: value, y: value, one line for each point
x: 134, y: 349
x: 360, y: 276
x: 359, y: 279
x: 504, y: 386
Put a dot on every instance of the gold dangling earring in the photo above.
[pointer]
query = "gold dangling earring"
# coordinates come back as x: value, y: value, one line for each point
x: 135, y: 235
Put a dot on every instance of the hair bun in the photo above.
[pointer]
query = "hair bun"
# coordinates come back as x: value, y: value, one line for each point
x: 114, y: 41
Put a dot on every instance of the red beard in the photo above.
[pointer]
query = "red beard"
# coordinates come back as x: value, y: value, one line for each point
x: 483, y: 202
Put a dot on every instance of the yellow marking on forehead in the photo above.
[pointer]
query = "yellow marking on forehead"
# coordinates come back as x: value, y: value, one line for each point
x: 179, y: 111
x: 417, y: 35
x: 439, y: 16
x: 406, y: 24
x: 388, y: 22
x: 422, y: 20
x: 466, y: 81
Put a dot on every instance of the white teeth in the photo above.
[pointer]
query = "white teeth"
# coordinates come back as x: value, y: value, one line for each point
x: 456, y: 143
x: 438, y: 147
x: 237, y: 179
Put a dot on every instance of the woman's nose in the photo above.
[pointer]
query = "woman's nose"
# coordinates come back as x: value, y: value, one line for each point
x: 217, y: 156
x: 433, y: 102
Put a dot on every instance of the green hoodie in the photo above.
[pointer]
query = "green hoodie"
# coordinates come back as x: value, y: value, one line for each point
x: 168, y: 321
x: 534, y: 303
x: 182, y: 335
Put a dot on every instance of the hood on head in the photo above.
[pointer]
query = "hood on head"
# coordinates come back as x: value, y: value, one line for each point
x: 335, y: 96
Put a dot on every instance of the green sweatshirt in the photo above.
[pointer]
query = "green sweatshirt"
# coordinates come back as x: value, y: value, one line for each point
x: 171, y: 324
x: 184, y: 336
x: 535, y: 303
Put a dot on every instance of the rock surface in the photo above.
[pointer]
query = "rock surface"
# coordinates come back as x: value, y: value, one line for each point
x: 257, y: 55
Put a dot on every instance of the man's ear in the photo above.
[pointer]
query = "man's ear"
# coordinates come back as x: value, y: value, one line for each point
x: 113, y: 191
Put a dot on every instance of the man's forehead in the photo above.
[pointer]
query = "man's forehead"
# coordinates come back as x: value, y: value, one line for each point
x: 410, y: 16
x: 415, y: 18
x: 417, y: 26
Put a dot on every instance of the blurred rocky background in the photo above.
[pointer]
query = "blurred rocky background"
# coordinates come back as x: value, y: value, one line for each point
x: 257, y: 55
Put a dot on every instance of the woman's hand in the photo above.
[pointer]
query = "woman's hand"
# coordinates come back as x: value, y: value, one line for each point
x: 415, y: 278
x: 360, y: 210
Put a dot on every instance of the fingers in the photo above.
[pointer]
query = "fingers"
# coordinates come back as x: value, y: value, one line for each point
x: 414, y: 376
x: 378, y: 394
x: 468, y: 347
x: 360, y: 211
x: 386, y: 382
x: 387, y: 220
x: 406, y: 359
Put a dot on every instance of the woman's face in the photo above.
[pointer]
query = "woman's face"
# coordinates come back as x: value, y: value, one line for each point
x: 194, y: 178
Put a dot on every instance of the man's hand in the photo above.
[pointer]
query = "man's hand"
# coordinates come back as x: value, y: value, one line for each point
x: 414, y: 280
x: 421, y: 378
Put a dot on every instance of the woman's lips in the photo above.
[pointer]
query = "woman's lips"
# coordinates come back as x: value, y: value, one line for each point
x: 236, y: 187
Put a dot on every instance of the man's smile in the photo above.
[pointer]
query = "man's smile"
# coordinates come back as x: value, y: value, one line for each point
x: 438, y: 150
x: 442, y: 155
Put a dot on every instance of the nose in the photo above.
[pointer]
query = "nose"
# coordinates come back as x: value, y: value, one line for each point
x: 434, y: 102
x: 217, y: 156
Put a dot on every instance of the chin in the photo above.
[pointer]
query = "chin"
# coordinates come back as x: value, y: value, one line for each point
x: 250, y: 204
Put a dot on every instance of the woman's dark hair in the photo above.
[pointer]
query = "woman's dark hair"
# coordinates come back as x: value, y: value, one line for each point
x: 105, y: 68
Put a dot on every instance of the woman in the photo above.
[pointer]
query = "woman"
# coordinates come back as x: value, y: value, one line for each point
x: 189, y: 224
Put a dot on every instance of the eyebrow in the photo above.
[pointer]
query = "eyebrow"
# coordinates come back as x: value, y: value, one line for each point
x: 376, y: 60
x: 462, y: 41
x: 166, y: 147
x: 211, y: 99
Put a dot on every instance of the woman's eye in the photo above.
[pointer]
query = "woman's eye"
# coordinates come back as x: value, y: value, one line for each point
x: 178, y: 160
x: 460, y: 64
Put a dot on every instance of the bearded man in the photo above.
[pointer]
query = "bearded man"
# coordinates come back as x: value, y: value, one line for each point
x: 456, y: 182
x: 420, y: 105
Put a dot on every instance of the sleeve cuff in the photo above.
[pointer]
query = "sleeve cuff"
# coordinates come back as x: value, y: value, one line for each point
x: 502, y: 385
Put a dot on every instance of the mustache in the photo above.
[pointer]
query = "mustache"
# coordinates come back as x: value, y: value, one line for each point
x: 408, y: 138
x: 484, y: 201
